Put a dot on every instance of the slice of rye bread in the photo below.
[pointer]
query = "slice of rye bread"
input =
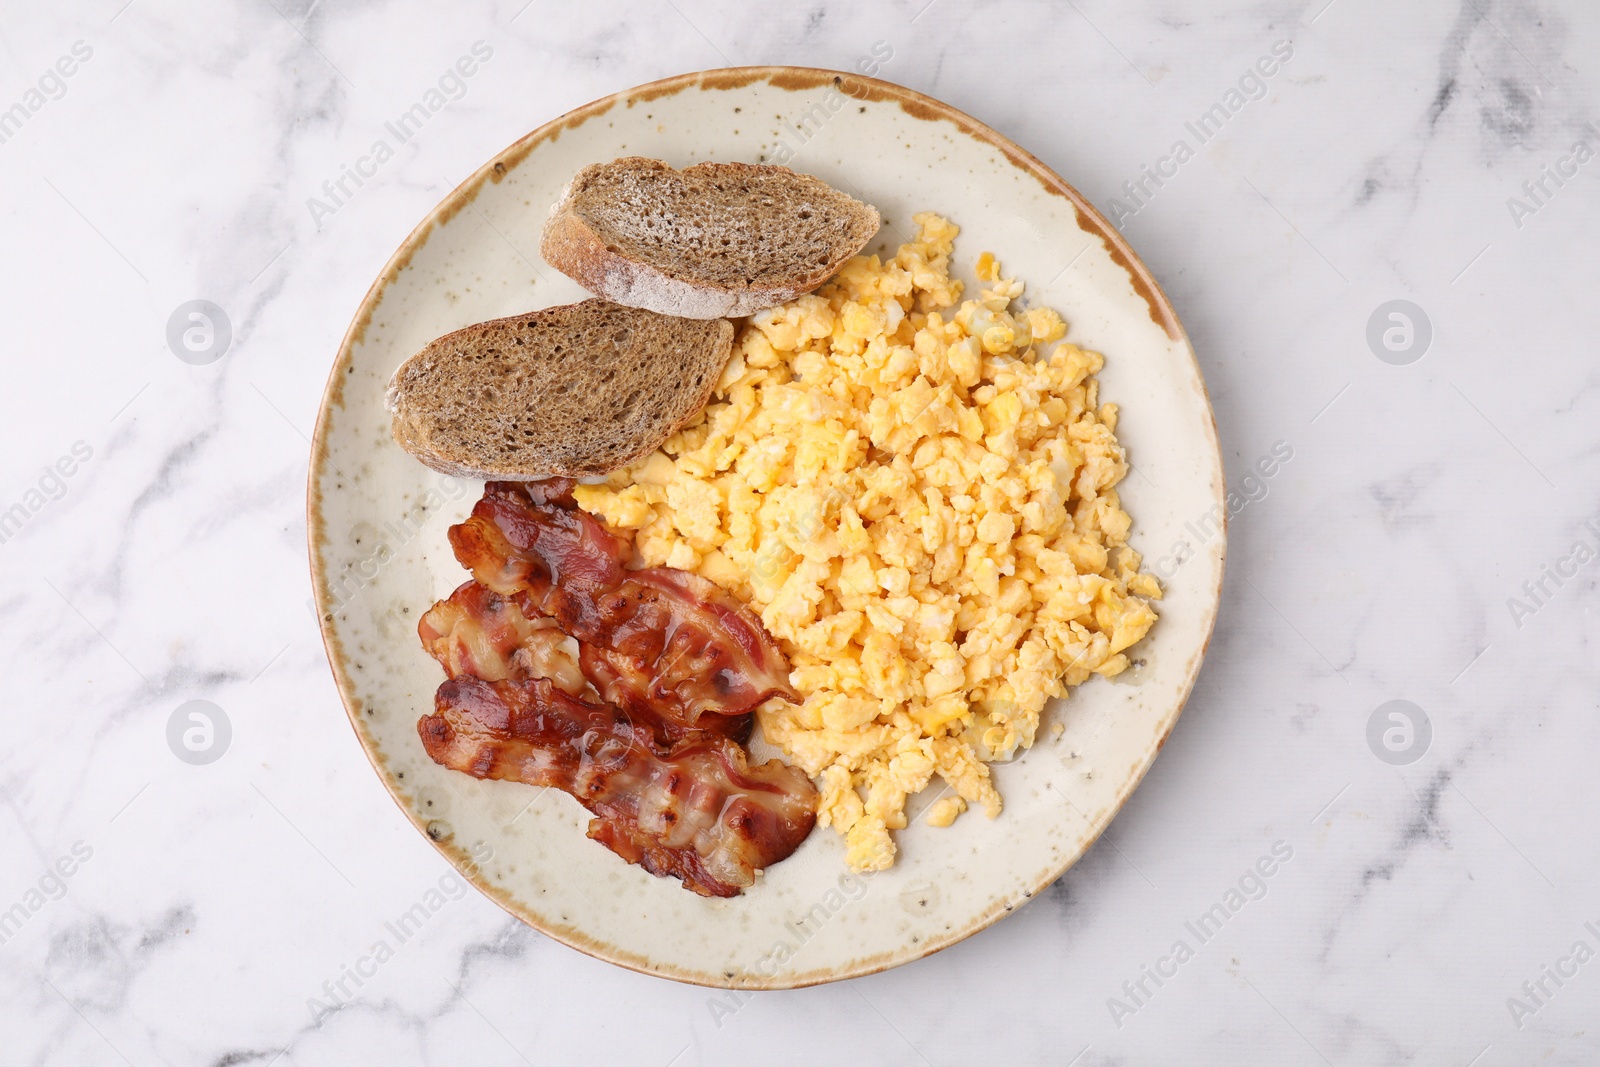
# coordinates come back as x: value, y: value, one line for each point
x: 714, y: 240
x: 577, y: 390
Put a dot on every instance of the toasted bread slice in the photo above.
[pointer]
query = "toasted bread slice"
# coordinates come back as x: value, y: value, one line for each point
x: 714, y: 240
x: 576, y: 390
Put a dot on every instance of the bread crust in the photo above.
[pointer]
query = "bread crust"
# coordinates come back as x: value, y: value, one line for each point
x: 572, y: 245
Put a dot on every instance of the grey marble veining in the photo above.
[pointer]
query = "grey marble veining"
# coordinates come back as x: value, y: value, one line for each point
x: 1422, y: 544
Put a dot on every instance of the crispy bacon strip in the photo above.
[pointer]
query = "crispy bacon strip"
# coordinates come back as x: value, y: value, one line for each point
x: 698, y: 813
x: 680, y: 641
x: 529, y: 538
x: 480, y: 633
x: 659, y: 636
x: 677, y: 666
x: 477, y: 631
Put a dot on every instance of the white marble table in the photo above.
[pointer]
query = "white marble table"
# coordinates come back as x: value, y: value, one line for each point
x: 1419, y: 545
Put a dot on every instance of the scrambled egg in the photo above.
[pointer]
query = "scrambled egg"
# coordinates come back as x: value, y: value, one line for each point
x: 919, y: 503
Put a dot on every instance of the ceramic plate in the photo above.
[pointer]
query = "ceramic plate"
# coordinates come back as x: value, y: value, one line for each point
x: 379, y: 555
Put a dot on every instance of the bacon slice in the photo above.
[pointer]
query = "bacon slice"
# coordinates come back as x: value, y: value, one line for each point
x: 679, y: 641
x: 529, y: 538
x: 699, y: 813
x: 675, y: 666
x: 657, y: 636
x: 476, y: 632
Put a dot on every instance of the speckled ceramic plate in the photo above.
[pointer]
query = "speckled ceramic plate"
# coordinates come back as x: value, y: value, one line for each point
x: 379, y: 555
